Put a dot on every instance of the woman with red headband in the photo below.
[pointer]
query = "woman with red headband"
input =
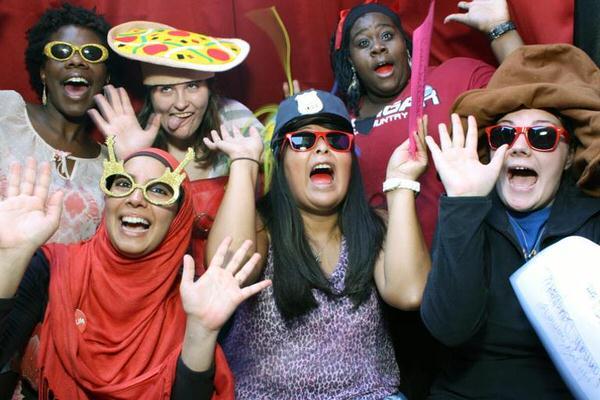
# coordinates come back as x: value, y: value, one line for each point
x: 371, y: 59
x: 119, y: 317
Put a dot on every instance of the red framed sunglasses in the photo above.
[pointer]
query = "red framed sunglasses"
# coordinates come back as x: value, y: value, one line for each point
x: 540, y: 138
x: 305, y: 140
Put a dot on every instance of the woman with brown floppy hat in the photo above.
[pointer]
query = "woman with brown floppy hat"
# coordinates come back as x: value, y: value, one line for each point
x: 181, y: 106
x: 539, y: 119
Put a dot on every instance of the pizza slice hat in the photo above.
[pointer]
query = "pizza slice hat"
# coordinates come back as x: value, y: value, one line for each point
x: 170, y: 56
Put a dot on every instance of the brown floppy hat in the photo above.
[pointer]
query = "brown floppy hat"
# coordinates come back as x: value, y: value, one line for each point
x: 559, y: 77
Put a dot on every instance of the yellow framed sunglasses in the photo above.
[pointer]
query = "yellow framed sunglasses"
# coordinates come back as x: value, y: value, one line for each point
x: 63, y: 51
x: 163, y: 191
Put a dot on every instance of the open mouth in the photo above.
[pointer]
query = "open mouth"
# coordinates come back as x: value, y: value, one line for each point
x: 384, y: 69
x: 321, y: 174
x: 176, y: 119
x: 522, y: 177
x: 76, y: 86
x: 135, y: 224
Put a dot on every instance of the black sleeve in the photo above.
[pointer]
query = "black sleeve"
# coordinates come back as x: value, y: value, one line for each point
x: 192, y: 385
x: 20, y: 315
x: 455, y: 298
x: 586, y: 30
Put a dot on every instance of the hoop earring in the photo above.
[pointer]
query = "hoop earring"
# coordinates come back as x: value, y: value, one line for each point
x: 354, y: 83
x: 44, y: 97
x: 409, y: 58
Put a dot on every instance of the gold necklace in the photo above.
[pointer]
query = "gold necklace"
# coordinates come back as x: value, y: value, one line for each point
x: 314, y: 247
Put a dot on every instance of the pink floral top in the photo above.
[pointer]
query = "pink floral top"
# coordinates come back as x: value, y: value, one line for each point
x: 83, y: 200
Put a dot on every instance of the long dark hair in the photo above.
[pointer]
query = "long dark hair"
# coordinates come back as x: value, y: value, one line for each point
x: 340, y: 58
x: 210, y: 121
x: 296, y: 270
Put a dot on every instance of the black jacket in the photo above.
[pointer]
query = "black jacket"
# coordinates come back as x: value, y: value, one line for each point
x: 469, y: 304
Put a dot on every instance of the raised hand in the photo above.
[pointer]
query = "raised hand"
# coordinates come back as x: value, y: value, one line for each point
x: 28, y: 217
x: 457, y: 161
x: 402, y: 164
x: 213, y: 298
x: 236, y: 145
x: 482, y: 15
x: 118, y: 118
x: 286, y: 88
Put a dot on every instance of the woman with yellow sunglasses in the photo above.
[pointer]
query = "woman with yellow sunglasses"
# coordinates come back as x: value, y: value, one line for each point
x: 121, y: 315
x: 68, y: 63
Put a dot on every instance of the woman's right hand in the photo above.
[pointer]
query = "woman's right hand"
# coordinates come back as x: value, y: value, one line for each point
x: 28, y: 216
x: 457, y: 161
x: 118, y: 119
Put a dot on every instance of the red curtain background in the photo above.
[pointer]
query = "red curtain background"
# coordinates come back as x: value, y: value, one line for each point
x: 309, y: 23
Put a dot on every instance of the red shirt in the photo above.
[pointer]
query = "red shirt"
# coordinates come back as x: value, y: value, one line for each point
x: 444, y: 84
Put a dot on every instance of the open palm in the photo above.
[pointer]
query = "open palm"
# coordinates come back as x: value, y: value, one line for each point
x: 236, y: 145
x: 457, y: 161
x: 213, y: 298
x: 28, y: 218
x: 482, y: 15
x: 117, y: 118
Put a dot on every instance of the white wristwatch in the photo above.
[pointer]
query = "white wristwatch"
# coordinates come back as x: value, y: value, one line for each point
x: 399, y: 183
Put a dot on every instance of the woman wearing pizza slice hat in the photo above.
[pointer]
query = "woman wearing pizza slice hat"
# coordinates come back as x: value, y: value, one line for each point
x: 181, y: 106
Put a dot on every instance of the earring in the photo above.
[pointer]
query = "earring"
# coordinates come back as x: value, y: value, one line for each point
x: 44, y: 97
x: 354, y: 84
x: 409, y: 59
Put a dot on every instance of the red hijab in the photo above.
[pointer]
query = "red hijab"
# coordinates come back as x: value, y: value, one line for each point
x: 114, y: 326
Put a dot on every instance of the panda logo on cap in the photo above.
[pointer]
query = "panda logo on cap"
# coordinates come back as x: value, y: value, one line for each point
x: 309, y: 103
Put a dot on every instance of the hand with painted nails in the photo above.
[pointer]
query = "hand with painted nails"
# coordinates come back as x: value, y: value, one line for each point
x: 117, y: 118
x: 457, y: 161
x: 235, y: 145
x: 402, y: 164
x: 28, y: 215
x: 213, y: 298
x: 482, y: 15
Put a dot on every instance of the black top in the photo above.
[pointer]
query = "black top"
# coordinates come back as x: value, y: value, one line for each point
x: 20, y: 315
x: 586, y: 30
x: 470, y: 305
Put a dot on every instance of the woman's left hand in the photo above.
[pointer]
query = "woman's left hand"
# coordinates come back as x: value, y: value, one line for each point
x: 482, y: 15
x: 402, y: 164
x: 212, y: 299
x: 236, y: 145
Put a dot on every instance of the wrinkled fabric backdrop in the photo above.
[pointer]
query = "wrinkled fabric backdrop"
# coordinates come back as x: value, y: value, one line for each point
x: 309, y: 23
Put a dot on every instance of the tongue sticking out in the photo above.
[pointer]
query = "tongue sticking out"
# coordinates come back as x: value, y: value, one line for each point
x: 75, y: 90
x: 321, y: 178
x: 174, y: 122
x: 384, y: 69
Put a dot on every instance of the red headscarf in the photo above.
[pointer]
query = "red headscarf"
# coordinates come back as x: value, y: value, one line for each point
x: 114, y: 326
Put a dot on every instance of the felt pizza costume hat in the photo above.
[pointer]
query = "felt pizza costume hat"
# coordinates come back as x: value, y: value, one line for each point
x: 170, y: 56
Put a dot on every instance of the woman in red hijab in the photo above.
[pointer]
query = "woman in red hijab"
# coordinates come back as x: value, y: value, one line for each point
x: 119, y: 317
